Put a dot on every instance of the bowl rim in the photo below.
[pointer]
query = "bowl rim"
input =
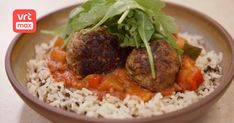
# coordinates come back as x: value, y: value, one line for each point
x: 22, y: 91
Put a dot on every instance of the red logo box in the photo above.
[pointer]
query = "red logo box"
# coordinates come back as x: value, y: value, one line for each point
x: 24, y: 21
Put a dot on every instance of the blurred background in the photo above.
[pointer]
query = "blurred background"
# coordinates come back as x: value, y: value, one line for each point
x: 13, y: 109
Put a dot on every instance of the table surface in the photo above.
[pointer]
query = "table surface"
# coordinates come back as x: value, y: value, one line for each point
x: 14, y: 110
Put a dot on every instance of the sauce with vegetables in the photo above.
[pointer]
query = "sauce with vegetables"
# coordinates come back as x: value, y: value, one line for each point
x: 118, y: 82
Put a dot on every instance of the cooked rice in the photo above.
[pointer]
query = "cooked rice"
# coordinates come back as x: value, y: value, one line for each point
x: 42, y: 85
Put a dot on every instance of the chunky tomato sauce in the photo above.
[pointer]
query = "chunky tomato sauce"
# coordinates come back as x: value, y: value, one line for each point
x: 118, y: 83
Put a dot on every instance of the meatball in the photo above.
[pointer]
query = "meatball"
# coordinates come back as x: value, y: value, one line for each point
x: 93, y: 52
x: 166, y: 63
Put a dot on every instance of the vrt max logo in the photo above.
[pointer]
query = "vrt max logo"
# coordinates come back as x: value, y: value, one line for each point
x: 24, y: 20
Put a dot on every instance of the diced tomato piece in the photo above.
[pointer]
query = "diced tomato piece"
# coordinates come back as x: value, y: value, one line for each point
x: 198, y: 76
x: 93, y: 81
x: 190, y: 76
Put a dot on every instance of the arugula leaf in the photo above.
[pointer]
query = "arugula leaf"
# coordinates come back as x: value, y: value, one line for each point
x: 86, y: 15
x: 117, y: 8
x: 151, y: 5
x: 165, y: 26
x: 74, y: 14
x: 146, y: 30
x: 145, y: 26
x: 78, y: 10
x: 166, y: 22
x: 67, y: 31
x: 124, y: 15
x: 126, y: 31
x: 95, y: 12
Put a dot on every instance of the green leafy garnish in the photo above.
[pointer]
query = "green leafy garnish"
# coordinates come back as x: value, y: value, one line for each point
x: 152, y: 6
x: 135, y: 22
x: 90, y: 15
x: 119, y: 7
x: 146, y: 30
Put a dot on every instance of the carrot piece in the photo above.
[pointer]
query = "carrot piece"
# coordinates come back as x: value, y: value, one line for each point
x: 58, y: 42
x: 93, y: 81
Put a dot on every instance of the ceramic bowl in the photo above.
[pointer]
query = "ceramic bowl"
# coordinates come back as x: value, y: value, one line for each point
x: 216, y: 38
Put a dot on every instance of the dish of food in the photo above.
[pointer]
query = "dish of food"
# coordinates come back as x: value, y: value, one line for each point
x: 113, y: 78
x: 125, y: 62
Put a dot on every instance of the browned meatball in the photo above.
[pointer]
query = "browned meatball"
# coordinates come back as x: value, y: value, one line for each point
x: 166, y: 64
x: 93, y: 52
